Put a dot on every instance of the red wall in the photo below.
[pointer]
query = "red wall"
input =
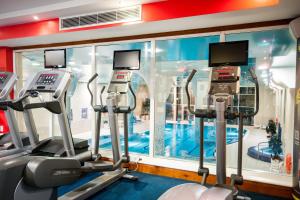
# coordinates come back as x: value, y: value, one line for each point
x: 6, y: 64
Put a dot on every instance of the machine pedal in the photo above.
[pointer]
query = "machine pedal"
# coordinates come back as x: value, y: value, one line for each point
x: 242, y: 198
x: 130, y: 177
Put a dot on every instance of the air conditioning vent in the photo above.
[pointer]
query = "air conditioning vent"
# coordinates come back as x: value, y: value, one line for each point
x: 70, y: 22
x: 114, y: 16
x: 107, y: 17
x: 126, y: 14
x: 88, y: 20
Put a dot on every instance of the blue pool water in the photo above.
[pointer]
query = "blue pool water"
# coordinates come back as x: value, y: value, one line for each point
x: 180, y: 141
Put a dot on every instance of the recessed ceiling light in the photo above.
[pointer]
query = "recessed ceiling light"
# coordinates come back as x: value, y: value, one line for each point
x: 35, y: 64
x: 36, y: 17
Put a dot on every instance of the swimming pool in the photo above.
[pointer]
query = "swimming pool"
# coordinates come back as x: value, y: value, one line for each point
x: 180, y: 141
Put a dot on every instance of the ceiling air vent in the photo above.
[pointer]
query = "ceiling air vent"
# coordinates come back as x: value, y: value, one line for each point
x: 113, y: 16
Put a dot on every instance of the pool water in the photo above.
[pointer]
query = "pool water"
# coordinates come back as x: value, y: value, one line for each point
x: 180, y: 141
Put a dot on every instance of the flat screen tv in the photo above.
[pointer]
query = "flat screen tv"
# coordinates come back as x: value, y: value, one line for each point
x: 228, y: 53
x: 127, y: 60
x: 55, y: 58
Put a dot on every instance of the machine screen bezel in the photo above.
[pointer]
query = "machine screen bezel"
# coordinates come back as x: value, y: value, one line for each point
x: 236, y: 64
x: 127, y: 68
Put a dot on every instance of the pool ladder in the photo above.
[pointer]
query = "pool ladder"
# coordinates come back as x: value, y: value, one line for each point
x: 258, y: 149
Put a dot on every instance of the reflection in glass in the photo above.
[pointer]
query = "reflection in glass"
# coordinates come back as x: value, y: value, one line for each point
x: 176, y: 130
x: 138, y: 120
x: 33, y: 62
x: 272, y: 53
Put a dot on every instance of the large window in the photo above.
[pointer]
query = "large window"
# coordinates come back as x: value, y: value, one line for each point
x: 79, y: 110
x: 159, y: 85
x: 77, y: 98
x: 33, y: 62
x: 139, y: 120
x: 176, y: 131
x: 269, y: 142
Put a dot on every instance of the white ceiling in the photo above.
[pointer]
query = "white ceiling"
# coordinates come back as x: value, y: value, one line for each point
x: 22, y: 11
x: 15, y: 5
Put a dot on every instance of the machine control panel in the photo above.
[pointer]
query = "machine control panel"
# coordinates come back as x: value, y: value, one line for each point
x: 7, y: 81
x: 121, y: 76
x: 225, y: 80
x: 3, y: 78
x: 226, y: 74
x: 51, y: 81
x: 47, y: 79
x: 119, y: 81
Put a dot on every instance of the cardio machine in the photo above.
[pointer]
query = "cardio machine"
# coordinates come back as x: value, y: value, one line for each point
x: 43, y: 175
x: 54, y: 82
x: 224, y: 84
x: 13, y: 142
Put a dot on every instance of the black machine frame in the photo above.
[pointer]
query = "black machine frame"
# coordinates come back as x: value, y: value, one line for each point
x: 126, y: 68
x: 55, y: 67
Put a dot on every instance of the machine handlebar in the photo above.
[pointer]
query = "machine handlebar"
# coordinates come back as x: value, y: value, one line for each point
x: 102, y: 90
x: 191, y: 76
x: 187, y: 90
x: 89, y: 89
x: 134, y: 97
x: 253, y: 75
x: 254, y: 78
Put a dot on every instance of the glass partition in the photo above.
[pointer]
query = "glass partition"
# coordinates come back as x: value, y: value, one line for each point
x: 79, y: 110
x: 139, y: 120
x: 269, y: 139
x: 33, y: 62
x: 176, y: 130
x: 79, y: 63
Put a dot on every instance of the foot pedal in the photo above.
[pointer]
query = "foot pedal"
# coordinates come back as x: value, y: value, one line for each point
x: 243, y: 198
x: 130, y: 177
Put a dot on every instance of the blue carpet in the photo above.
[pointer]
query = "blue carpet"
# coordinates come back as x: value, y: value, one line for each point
x: 149, y: 187
x: 68, y: 188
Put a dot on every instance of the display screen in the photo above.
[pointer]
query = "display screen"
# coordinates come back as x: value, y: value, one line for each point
x: 55, y: 58
x: 127, y: 60
x: 46, y: 79
x: 228, y: 53
x: 3, y: 78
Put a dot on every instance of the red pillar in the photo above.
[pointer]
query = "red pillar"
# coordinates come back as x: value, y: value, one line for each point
x: 6, y: 64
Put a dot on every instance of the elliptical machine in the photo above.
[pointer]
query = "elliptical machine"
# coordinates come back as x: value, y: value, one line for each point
x: 118, y: 87
x: 224, y: 84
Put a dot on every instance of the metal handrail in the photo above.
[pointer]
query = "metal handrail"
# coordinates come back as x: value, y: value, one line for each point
x: 258, y: 148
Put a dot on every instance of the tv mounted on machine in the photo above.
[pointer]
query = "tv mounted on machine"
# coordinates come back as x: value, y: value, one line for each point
x: 228, y: 53
x: 127, y: 60
x: 55, y: 58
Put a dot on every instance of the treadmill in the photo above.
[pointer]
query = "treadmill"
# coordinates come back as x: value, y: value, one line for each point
x: 55, y: 82
x: 13, y: 142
